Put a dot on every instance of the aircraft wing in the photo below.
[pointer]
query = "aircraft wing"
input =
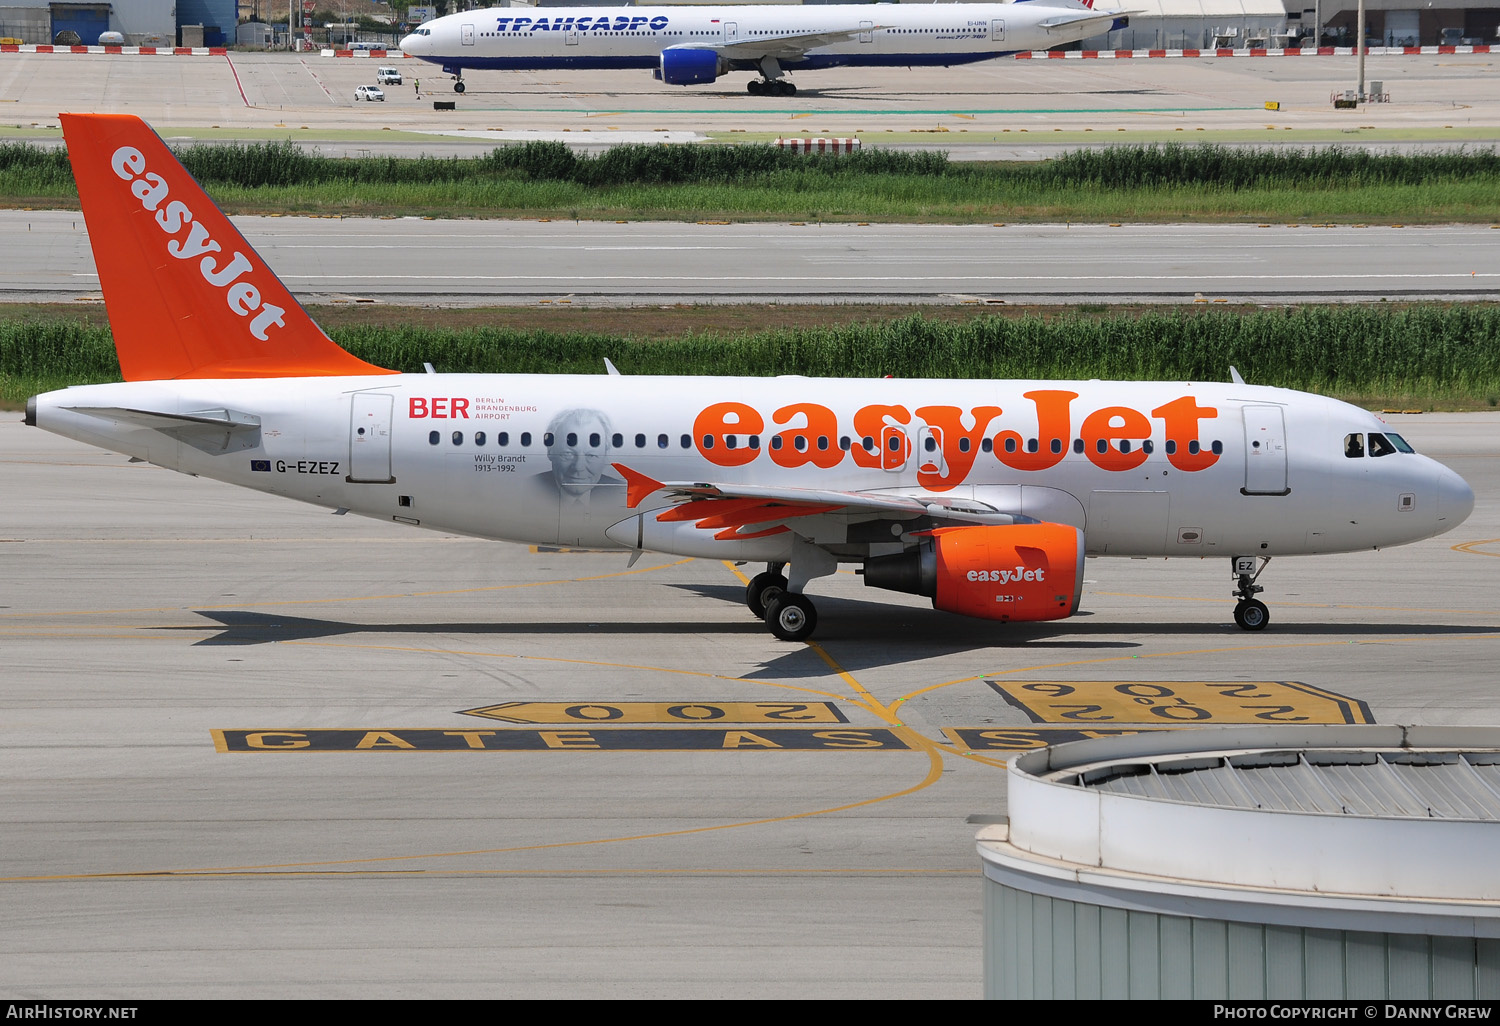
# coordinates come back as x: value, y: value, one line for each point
x: 743, y: 511
x: 790, y: 46
x: 1104, y: 18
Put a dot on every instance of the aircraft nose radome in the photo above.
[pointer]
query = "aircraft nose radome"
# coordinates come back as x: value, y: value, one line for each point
x: 1455, y: 499
x: 411, y: 43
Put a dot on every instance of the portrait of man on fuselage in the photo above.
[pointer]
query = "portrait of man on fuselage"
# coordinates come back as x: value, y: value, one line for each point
x: 579, y: 485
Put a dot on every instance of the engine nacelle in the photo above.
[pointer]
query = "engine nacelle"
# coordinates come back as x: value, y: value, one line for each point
x: 1013, y: 572
x: 689, y: 66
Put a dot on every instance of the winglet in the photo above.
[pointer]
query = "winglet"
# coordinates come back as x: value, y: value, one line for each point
x: 637, y: 485
x: 187, y: 296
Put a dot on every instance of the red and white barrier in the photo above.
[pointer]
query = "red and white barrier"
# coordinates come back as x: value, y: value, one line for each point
x: 819, y: 145
x: 160, y: 51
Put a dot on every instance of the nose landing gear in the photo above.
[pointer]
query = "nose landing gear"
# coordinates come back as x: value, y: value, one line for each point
x: 1250, y: 612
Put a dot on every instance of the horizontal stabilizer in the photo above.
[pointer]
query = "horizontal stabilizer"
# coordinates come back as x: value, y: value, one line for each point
x: 212, y: 431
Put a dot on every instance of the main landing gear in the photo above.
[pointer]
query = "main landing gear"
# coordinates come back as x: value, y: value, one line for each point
x: 1250, y: 612
x: 770, y: 87
x: 770, y: 83
x: 777, y: 597
x: 790, y: 617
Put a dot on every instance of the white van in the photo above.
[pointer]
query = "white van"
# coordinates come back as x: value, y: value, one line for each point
x: 387, y: 76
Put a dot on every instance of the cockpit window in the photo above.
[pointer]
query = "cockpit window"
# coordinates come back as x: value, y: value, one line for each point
x: 1401, y: 444
x: 1380, y: 445
x: 1354, y: 446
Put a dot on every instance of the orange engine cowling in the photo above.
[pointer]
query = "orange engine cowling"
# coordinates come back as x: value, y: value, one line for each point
x: 1013, y: 572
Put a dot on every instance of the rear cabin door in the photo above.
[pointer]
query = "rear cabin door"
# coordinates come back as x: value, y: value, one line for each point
x: 1265, y: 451
x: 370, y: 438
x: 997, y: 30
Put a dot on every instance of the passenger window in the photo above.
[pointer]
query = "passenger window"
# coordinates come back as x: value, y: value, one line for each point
x: 525, y: 439
x: 661, y: 441
x: 433, y: 437
x: 1354, y: 446
x: 479, y: 438
x: 755, y: 441
x: 640, y: 441
x: 547, y: 439
x: 458, y: 438
x: 503, y: 438
x: 616, y: 440
x: 1380, y: 445
x: 687, y: 441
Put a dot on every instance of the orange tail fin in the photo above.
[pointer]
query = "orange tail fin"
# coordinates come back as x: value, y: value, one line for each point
x: 187, y: 297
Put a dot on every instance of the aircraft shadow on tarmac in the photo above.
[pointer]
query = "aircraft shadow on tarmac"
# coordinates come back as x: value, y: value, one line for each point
x: 884, y: 632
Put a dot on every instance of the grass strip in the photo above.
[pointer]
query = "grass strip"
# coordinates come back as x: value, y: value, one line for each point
x: 1168, y: 182
x: 1419, y: 356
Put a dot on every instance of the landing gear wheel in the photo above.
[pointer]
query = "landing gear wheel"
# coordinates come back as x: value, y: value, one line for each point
x: 1252, y: 615
x: 784, y: 88
x: 761, y: 590
x: 458, y: 87
x: 791, y: 617
x: 755, y: 87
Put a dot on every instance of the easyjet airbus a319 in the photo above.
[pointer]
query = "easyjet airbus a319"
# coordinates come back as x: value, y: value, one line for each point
x: 984, y: 496
x: 694, y: 45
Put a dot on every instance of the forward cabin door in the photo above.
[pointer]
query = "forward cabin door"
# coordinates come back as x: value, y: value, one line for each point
x: 1265, y: 451
x: 466, y: 35
x: 370, y: 438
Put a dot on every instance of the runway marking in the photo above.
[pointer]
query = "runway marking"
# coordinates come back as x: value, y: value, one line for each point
x: 514, y: 739
x: 1473, y: 549
x: 702, y: 713
x: 1228, y: 649
x: 1025, y: 739
x: 1180, y: 702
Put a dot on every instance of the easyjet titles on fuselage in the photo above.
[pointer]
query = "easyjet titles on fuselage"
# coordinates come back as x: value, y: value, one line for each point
x: 1113, y: 438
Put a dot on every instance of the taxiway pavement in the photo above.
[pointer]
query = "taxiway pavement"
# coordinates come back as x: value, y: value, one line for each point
x: 148, y: 856
x: 45, y: 256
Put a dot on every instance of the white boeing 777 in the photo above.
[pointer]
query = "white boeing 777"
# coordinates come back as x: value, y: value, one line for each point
x: 982, y: 495
x: 693, y: 45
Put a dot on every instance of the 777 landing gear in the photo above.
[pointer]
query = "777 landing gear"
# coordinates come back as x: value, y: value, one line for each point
x: 770, y: 87
x: 458, y: 83
x: 770, y: 83
x: 1250, y: 612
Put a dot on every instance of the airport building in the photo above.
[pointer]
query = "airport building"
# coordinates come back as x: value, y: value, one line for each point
x: 1249, y: 863
x: 139, y: 22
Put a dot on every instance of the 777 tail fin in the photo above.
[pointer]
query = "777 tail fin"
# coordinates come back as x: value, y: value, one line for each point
x: 186, y: 295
